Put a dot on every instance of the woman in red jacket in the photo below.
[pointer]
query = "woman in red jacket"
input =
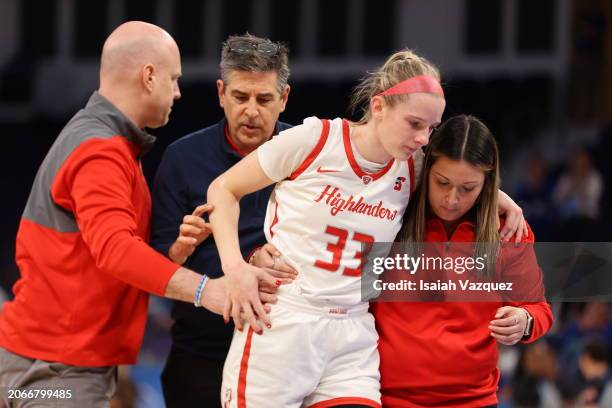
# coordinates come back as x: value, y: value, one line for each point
x: 442, y: 352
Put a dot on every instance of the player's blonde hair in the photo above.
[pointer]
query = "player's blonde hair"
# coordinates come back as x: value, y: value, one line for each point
x: 402, y: 65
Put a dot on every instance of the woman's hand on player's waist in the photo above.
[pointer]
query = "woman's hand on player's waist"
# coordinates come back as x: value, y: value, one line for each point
x: 270, y: 259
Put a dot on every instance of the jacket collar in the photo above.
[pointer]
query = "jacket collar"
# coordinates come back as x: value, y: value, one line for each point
x: 467, y: 225
x: 108, y: 113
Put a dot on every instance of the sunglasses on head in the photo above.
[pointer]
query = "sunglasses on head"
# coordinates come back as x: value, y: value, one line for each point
x: 246, y: 46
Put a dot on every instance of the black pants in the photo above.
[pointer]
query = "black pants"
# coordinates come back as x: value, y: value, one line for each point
x: 189, y: 380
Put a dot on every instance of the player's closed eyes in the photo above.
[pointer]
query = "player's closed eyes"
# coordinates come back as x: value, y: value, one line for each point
x: 463, y: 189
x: 416, y: 125
x: 420, y: 126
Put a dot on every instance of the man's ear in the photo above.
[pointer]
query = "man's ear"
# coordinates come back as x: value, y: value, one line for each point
x: 148, y: 77
x: 221, y: 92
x: 284, y: 97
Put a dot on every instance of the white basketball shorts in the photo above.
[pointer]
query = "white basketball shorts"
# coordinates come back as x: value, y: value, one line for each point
x: 313, y: 356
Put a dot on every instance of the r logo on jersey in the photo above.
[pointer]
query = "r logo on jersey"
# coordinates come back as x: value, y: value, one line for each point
x: 399, y: 182
x: 366, y: 179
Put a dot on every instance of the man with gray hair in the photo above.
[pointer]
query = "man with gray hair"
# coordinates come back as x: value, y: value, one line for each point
x: 252, y: 91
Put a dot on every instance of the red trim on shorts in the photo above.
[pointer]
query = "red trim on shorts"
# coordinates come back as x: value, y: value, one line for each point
x: 244, y: 366
x: 346, y: 401
x: 346, y: 136
x: 274, y: 221
x: 231, y: 142
x: 411, y: 171
x: 314, y: 153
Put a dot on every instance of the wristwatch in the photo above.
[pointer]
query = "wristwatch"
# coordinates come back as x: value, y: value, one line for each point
x: 528, y: 326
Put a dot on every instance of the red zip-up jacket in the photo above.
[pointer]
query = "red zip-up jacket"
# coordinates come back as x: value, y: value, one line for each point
x: 81, y: 247
x: 441, y: 354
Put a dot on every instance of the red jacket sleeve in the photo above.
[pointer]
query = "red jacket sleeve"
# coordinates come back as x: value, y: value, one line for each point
x: 521, y: 267
x: 99, y: 183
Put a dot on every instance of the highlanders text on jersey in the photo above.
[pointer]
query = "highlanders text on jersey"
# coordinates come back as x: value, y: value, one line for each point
x: 326, y: 205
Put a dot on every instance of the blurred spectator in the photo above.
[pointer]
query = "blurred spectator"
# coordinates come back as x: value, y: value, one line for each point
x: 578, y: 191
x: 592, y: 323
x: 588, y: 320
x: 533, y: 195
x: 602, y: 157
x: 533, y: 383
x: 596, y: 384
x: 577, y: 197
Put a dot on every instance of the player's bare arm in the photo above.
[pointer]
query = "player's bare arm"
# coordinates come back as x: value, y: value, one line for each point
x: 224, y: 193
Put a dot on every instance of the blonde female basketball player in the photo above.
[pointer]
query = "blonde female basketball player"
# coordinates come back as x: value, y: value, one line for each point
x: 339, y: 185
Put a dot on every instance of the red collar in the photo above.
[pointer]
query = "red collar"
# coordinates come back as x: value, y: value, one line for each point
x: 464, y: 231
x: 437, y: 233
x: 231, y: 142
x: 366, y: 177
x: 468, y: 219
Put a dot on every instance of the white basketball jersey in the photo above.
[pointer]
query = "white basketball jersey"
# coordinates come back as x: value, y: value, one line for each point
x: 321, y: 213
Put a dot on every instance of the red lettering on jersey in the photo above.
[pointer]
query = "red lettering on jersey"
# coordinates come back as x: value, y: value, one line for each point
x: 337, y: 248
x: 333, y: 197
x: 327, y: 193
x: 368, y: 241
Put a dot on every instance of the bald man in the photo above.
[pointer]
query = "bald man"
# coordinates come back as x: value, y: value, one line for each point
x: 80, y: 304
